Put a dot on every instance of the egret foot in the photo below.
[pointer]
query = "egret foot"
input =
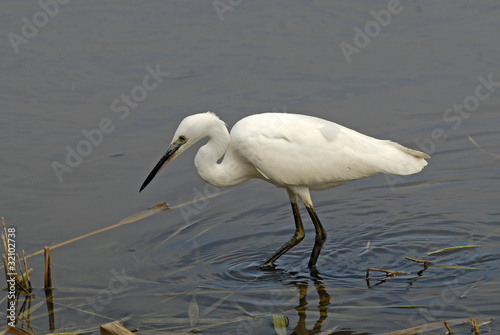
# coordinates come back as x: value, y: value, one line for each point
x: 314, y: 272
x: 267, y: 266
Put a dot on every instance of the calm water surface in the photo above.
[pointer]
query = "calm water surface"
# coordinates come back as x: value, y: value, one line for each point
x: 81, y: 81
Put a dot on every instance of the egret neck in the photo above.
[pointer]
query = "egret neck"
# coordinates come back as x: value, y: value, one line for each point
x: 223, y: 174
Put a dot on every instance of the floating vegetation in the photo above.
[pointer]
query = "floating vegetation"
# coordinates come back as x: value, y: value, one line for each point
x: 456, y: 248
x: 18, y: 282
x: 193, y: 311
x: 481, y: 149
x: 161, y: 207
x: 280, y: 323
x: 426, y: 264
x: 197, y: 316
x: 21, y: 282
x: 19, y: 292
x: 114, y: 328
x: 474, y: 323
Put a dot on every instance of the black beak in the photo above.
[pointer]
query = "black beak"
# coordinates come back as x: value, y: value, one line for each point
x: 167, y: 157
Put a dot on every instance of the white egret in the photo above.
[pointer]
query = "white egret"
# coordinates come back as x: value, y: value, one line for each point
x: 296, y: 152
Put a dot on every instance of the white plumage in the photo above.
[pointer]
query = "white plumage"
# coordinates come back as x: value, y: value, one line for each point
x: 296, y: 152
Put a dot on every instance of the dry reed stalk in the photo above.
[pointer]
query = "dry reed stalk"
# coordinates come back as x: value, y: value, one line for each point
x: 447, y: 327
x: 475, y: 325
x: 48, y: 276
x: 48, y: 288
x: 26, y: 270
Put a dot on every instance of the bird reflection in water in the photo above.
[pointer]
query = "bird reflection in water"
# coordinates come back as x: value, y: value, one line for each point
x: 320, y: 309
x: 324, y: 301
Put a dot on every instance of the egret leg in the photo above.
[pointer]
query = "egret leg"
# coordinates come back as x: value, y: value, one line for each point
x: 296, y: 238
x: 320, y: 236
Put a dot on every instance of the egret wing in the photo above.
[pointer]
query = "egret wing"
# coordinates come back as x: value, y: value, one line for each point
x: 291, y: 149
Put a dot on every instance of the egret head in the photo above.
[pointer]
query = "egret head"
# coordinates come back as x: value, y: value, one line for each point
x: 192, y: 129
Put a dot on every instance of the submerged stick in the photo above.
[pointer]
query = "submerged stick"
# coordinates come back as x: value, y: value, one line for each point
x: 418, y: 260
x: 387, y: 272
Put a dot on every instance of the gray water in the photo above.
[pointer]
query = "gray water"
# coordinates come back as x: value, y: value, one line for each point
x: 84, y: 121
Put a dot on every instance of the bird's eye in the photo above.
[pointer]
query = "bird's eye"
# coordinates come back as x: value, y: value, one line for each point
x: 182, y: 138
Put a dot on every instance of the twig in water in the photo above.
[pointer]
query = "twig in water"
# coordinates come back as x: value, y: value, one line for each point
x: 26, y: 270
x: 387, y: 272
x: 447, y: 327
x: 418, y: 260
x: 475, y: 326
